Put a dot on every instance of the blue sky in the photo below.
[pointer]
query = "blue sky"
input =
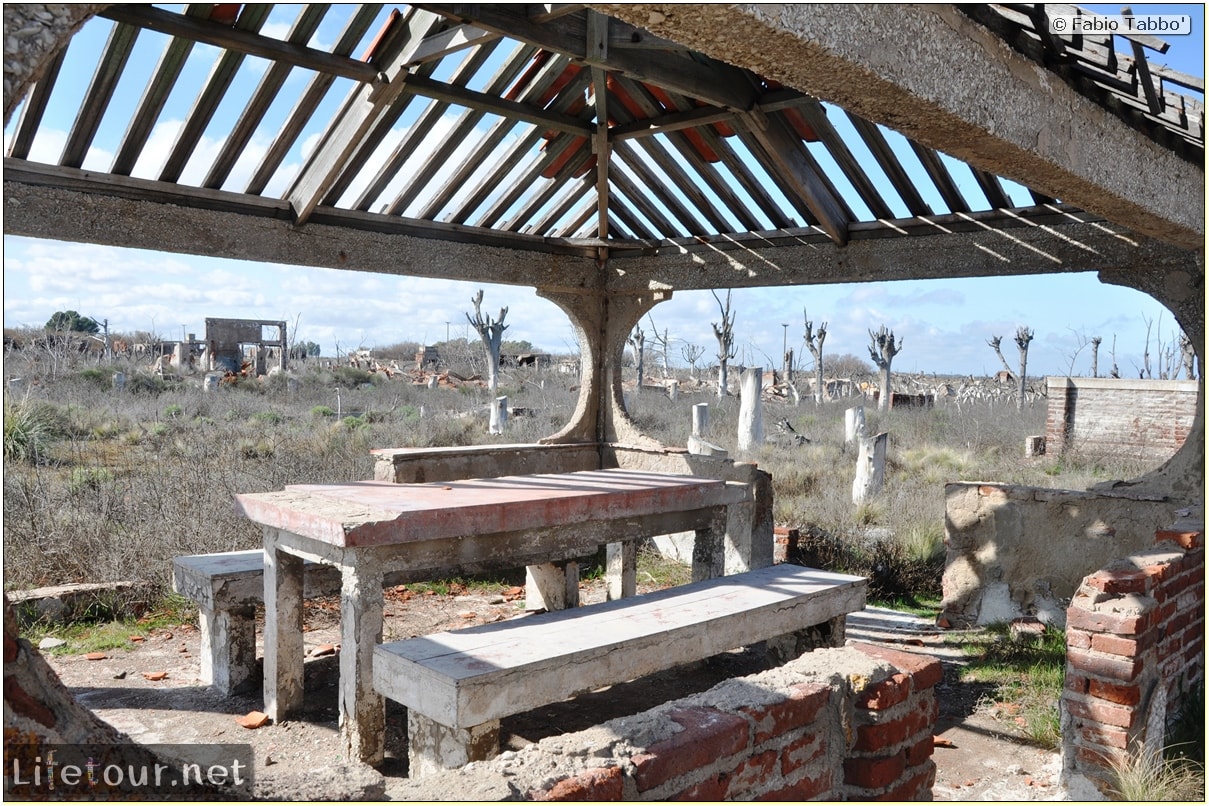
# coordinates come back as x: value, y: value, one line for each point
x: 944, y: 323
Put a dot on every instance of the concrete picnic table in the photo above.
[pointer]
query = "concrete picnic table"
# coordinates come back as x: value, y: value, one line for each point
x: 435, y: 530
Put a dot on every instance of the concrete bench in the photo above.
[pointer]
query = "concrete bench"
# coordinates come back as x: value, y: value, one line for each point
x: 227, y: 587
x: 457, y: 685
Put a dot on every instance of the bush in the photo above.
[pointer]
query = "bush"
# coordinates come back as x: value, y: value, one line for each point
x: 29, y: 430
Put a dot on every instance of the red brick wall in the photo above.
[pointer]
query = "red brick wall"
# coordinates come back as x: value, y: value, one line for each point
x: 870, y: 738
x: 1135, y: 647
x: 1116, y: 415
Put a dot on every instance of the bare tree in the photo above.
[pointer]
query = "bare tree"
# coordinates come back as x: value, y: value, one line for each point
x: 1187, y: 356
x: 1116, y: 372
x: 1023, y: 337
x: 725, y: 334
x: 814, y: 342
x: 995, y: 341
x: 637, y: 341
x: 882, y: 350
x: 692, y: 354
x: 492, y: 334
x: 1095, y: 356
x: 663, y: 344
x: 1144, y: 370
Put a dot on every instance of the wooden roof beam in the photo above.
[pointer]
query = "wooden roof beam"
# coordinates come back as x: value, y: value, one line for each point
x: 785, y: 149
x: 358, y: 116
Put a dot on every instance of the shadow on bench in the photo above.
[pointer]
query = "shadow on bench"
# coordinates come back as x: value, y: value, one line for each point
x: 457, y: 685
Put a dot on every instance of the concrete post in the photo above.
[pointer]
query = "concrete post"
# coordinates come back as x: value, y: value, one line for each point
x: 621, y: 569
x: 16, y: 386
x: 362, y: 708
x: 751, y: 418
x: 432, y: 381
x: 432, y: 747
x: 854, y: 424
x: 228, y: 648
x: 210, y: 383
x: 499, y: 415
x: 700, y: 419
x: 119, y: 381
x: 673, y: 390
x: 552, y: 586
x: 870, y: 467
x: 282, y: 630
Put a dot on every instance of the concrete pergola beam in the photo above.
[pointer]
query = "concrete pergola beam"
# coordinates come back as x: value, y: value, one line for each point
x: 943, y: 80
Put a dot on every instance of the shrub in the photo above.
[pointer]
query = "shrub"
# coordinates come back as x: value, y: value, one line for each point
x: 323, y: 411
x: 29, y: 430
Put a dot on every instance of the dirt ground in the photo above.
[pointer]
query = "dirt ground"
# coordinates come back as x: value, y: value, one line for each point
x: 976, y: 758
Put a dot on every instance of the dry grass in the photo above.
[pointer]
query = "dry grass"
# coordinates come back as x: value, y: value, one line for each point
x: 121, y: 482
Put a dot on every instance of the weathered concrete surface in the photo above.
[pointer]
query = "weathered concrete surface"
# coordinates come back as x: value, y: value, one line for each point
x: 1023, y: 551
x: 938, y: 77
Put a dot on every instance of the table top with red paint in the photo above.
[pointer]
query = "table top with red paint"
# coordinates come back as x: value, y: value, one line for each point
x: 372, y: 513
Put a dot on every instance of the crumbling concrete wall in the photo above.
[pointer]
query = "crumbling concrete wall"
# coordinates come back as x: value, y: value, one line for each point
x: 851, y: 723
x: 1117, y: 415
x: 1023, y: 551
x: 226, y: 338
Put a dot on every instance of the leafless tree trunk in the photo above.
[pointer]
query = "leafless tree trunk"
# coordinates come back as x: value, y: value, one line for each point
x: 1116, y: 372
x: 725, y: 334
x: 692, y: 354
x: 1144, y: 371
x: 492, y: 334
x: 882, y: 350
x: 1187, y: 357
x: 995, y: 341
x: 1095, y: 356
x: 637, y: 341
x: 664, y: 345
x: 1023, y: 337
x: 814, y: 341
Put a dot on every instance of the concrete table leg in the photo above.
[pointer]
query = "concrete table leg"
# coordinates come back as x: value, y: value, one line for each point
x: 708, y: 548
x: 621, y: 569
x: 552, y: 586
x: 362, y: 709
x: 228, y: 648
x: 282, y: 630
x: 433, y: 747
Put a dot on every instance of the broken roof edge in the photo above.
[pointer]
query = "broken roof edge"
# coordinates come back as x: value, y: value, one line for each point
x: 1009, y: 116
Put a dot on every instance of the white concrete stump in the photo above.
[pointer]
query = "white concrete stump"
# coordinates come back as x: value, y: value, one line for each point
x: 751, y: 415
x: 870, y: 467
x: 228, y: 648
x: 432, y: 381
x: 432, y: 747
x: 211, y: 382
x: 499, y: 415
x: 700, y: 419
x: 552, y: 586
x: 16, y: 386
x: 673, y: 391
x: 621, y: 569
x: 854, y: 424
x: 1034, y: 445
x: 119, y: 381
x: 291, y: 385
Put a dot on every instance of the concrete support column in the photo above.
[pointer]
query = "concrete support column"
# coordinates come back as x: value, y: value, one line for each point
x: 621, y: 569
x: 751, y: 412
x: 362, y: 709
x: 552, y: 586
x: 708, y: 551
x: 433, y: 747
x: 602, y: 324
x: 228, y: 648
x: 282, y: 630
x: 854, y: 424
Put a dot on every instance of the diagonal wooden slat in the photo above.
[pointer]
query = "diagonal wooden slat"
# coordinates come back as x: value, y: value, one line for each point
x: 362, y: 109
x: 99, y: 94
x: 755, y: 188
x: 630, y: 192
x: 789, y: 157
x: 577, y: 191
x: 416, y: 136
x: 816, y: 116
x: 634, y: 162
x: 241, y: 39
x: 716, y: 183
x: 310, y: 99
x: 459, y: 136
x: 890, y: 164
x: 940, y: 176
x: 35, y: 107
x: 155, y: 95
x: 991, y: 188
x: 547, y: 188
x: 455, y: 178
x: 270, y: 84
x: 251, y: 18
